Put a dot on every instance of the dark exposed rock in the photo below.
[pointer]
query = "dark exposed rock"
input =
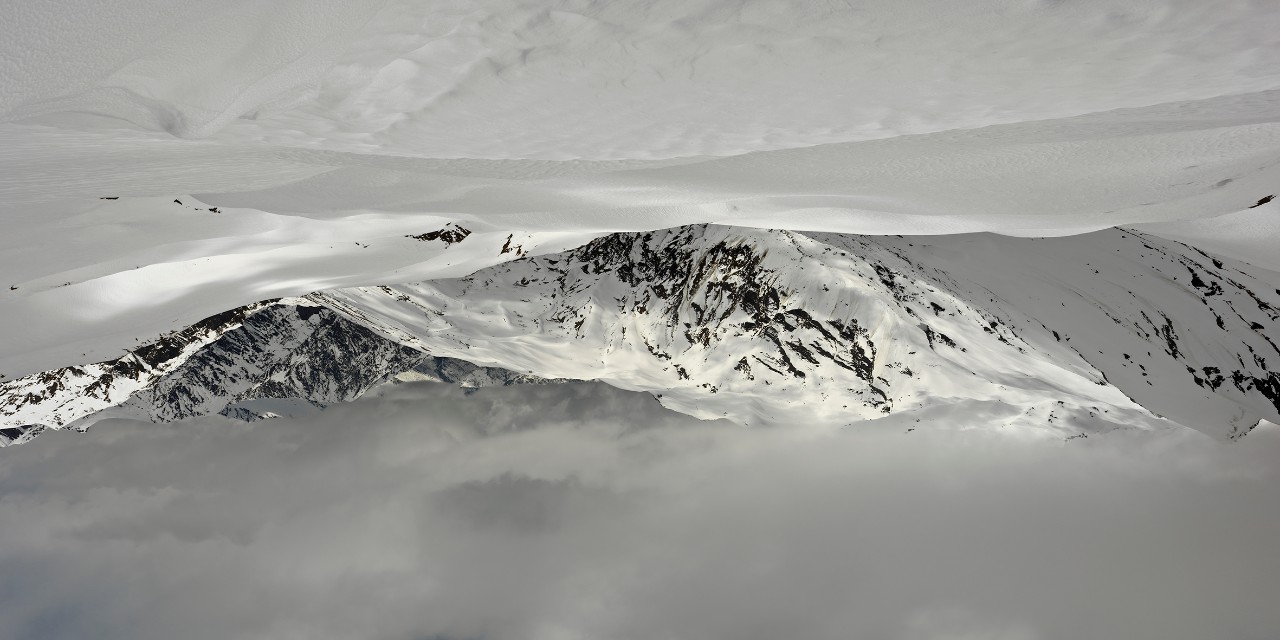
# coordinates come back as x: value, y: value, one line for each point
x: 450, y: 235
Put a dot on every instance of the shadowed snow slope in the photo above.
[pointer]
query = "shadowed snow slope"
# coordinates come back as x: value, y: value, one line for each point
x: 264, y: 150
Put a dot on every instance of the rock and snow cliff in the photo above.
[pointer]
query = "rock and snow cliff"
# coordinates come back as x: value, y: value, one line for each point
x: 1075, y: 335
x: 1080, y: 333
x: 273, y: 358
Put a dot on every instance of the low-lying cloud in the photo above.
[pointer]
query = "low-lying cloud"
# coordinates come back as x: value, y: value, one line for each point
x: 581, y: 511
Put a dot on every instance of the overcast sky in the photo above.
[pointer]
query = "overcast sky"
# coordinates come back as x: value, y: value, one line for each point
x: 581, y: 511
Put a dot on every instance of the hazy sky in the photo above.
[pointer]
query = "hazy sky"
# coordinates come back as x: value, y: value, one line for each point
x: 581, y: 511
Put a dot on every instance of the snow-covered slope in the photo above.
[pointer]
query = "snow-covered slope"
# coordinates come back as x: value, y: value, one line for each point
x: 1186, y: 334
x: 1079, y: 333
x: 559, y: 79
x: 86, y: 283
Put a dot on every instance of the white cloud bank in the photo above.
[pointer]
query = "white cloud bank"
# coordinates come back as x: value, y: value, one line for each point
x: 582, y: 511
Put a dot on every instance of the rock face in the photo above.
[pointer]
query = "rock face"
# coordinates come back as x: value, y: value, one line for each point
x: 1066, y: 336
x: 276, y: 358
x: 287, y: 351
x: 60, y: 397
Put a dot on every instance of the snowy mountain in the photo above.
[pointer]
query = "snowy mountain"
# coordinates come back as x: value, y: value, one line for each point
x: 1074, y: 335
x: 1078, y: 334
x: 275, y: 358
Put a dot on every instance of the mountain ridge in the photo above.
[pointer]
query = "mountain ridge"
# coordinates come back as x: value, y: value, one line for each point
x: 1046, y: 334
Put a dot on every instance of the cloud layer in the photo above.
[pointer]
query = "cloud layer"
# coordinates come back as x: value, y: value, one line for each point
x: 581, y: 511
